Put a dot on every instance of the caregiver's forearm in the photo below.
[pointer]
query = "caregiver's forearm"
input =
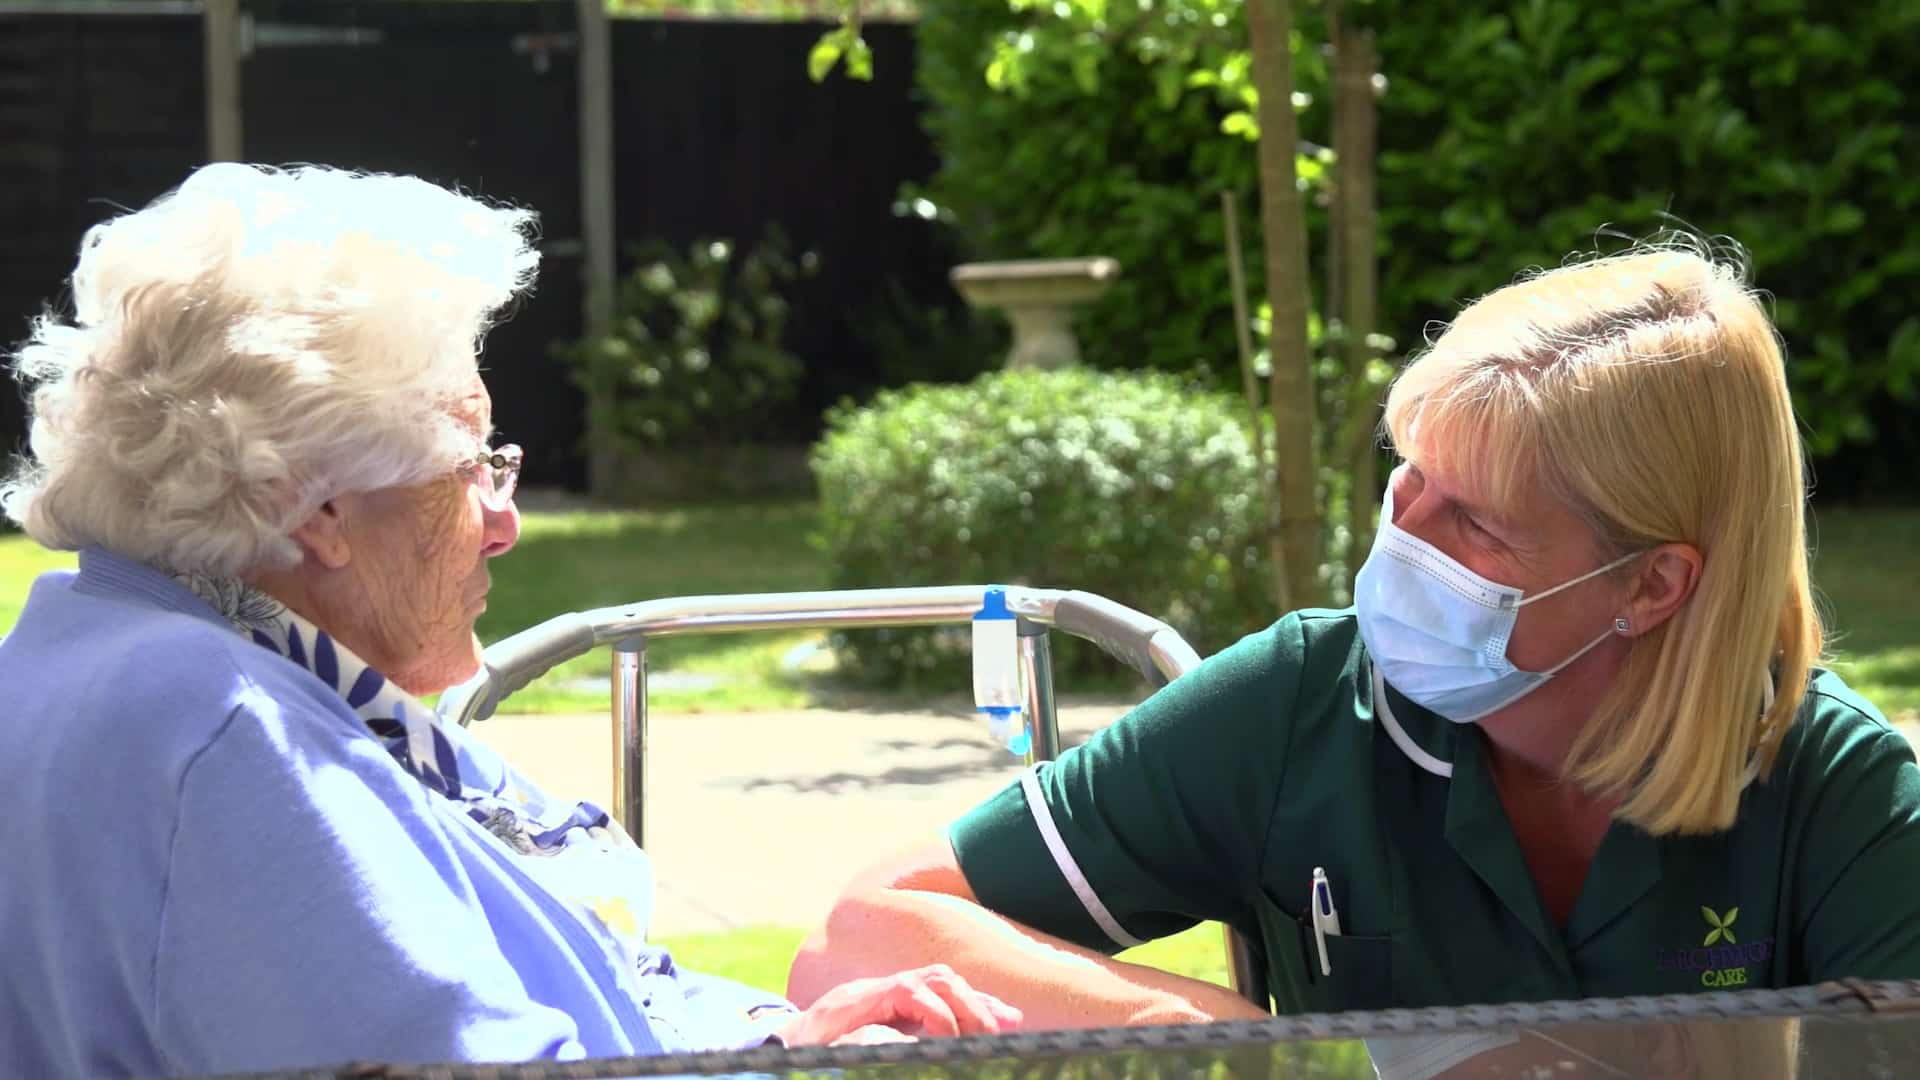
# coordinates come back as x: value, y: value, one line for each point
x: 1054, y: 983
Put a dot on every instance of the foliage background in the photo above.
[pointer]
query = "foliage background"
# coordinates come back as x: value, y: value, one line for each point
x: 1510, y: 135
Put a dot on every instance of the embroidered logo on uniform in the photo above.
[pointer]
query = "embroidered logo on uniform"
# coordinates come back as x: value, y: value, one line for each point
x: 1722, y: 959
x: 1722, y: 926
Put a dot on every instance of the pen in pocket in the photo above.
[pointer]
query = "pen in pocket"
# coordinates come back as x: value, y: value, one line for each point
x: 1325, y: 917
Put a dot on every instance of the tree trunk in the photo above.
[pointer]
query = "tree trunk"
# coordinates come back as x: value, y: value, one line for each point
x: 1250, y: 383
x: 1354, y: 139
x: 595, y: 96
x: 1284, y: 228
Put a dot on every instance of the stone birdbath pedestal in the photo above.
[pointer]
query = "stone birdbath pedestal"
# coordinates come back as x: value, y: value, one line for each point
x: 1038, y: 297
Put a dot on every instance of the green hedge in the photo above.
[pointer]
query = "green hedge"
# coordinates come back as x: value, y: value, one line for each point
x: 1512, y: 134
x: 1128, y: 485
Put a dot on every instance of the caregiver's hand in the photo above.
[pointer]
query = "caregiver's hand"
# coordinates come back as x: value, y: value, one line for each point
x: 930, y: 1001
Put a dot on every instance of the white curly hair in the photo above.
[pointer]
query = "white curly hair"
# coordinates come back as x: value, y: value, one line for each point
x: 250, y: 345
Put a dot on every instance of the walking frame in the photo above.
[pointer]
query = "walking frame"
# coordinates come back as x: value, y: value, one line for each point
x: 1142, y: 642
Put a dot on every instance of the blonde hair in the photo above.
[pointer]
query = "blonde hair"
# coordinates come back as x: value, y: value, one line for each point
x: 1647, y: 392
x: 250, y: 345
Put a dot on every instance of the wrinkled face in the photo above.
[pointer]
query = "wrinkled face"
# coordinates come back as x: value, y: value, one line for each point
x: 419, y: 569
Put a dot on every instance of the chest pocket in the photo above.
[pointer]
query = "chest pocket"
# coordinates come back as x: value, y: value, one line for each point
x: 1362, y: 967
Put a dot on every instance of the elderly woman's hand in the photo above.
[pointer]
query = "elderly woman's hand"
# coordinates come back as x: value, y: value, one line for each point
x: 930, y: 1001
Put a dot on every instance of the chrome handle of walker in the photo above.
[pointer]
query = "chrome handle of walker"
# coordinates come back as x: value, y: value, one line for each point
x: 1144, y: 643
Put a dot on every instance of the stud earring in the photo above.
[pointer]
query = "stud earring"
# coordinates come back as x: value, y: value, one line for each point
x: 1622, y: 626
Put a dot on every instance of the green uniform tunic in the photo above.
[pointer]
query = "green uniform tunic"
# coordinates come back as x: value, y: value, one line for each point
x: 1218, y: 797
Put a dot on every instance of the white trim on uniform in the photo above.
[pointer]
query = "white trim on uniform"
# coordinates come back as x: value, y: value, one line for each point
x: 1384, y: 712
x: 1069, y: 869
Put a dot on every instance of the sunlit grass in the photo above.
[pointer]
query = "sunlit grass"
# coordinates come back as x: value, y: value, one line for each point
x: 745, y: 673
x: 580, y: 560
x: 1867, y: 569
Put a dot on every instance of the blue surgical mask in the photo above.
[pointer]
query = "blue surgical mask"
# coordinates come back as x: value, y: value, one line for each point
x: 1438, y: 631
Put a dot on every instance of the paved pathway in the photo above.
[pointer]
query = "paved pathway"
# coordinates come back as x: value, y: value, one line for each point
x: 760, y: 818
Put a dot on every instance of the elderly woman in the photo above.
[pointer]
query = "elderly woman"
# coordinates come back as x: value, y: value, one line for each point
x: 1570, y: 741
x: 239, y: 841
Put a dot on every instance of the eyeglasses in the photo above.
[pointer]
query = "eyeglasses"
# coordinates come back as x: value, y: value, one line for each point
x: 498, y: 472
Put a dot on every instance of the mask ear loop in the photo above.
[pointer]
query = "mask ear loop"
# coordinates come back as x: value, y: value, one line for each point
x: 1594, y: 573
x: 1620, y: 625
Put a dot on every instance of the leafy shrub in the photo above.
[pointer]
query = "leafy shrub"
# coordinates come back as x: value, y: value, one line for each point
x: 1132, y: 486
x: 1510, y: 135
x: 694, y: 354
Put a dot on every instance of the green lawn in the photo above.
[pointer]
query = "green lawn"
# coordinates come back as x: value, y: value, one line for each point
x: 587, y: 559
x: 579, y: 560
x: 1867, y: 568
